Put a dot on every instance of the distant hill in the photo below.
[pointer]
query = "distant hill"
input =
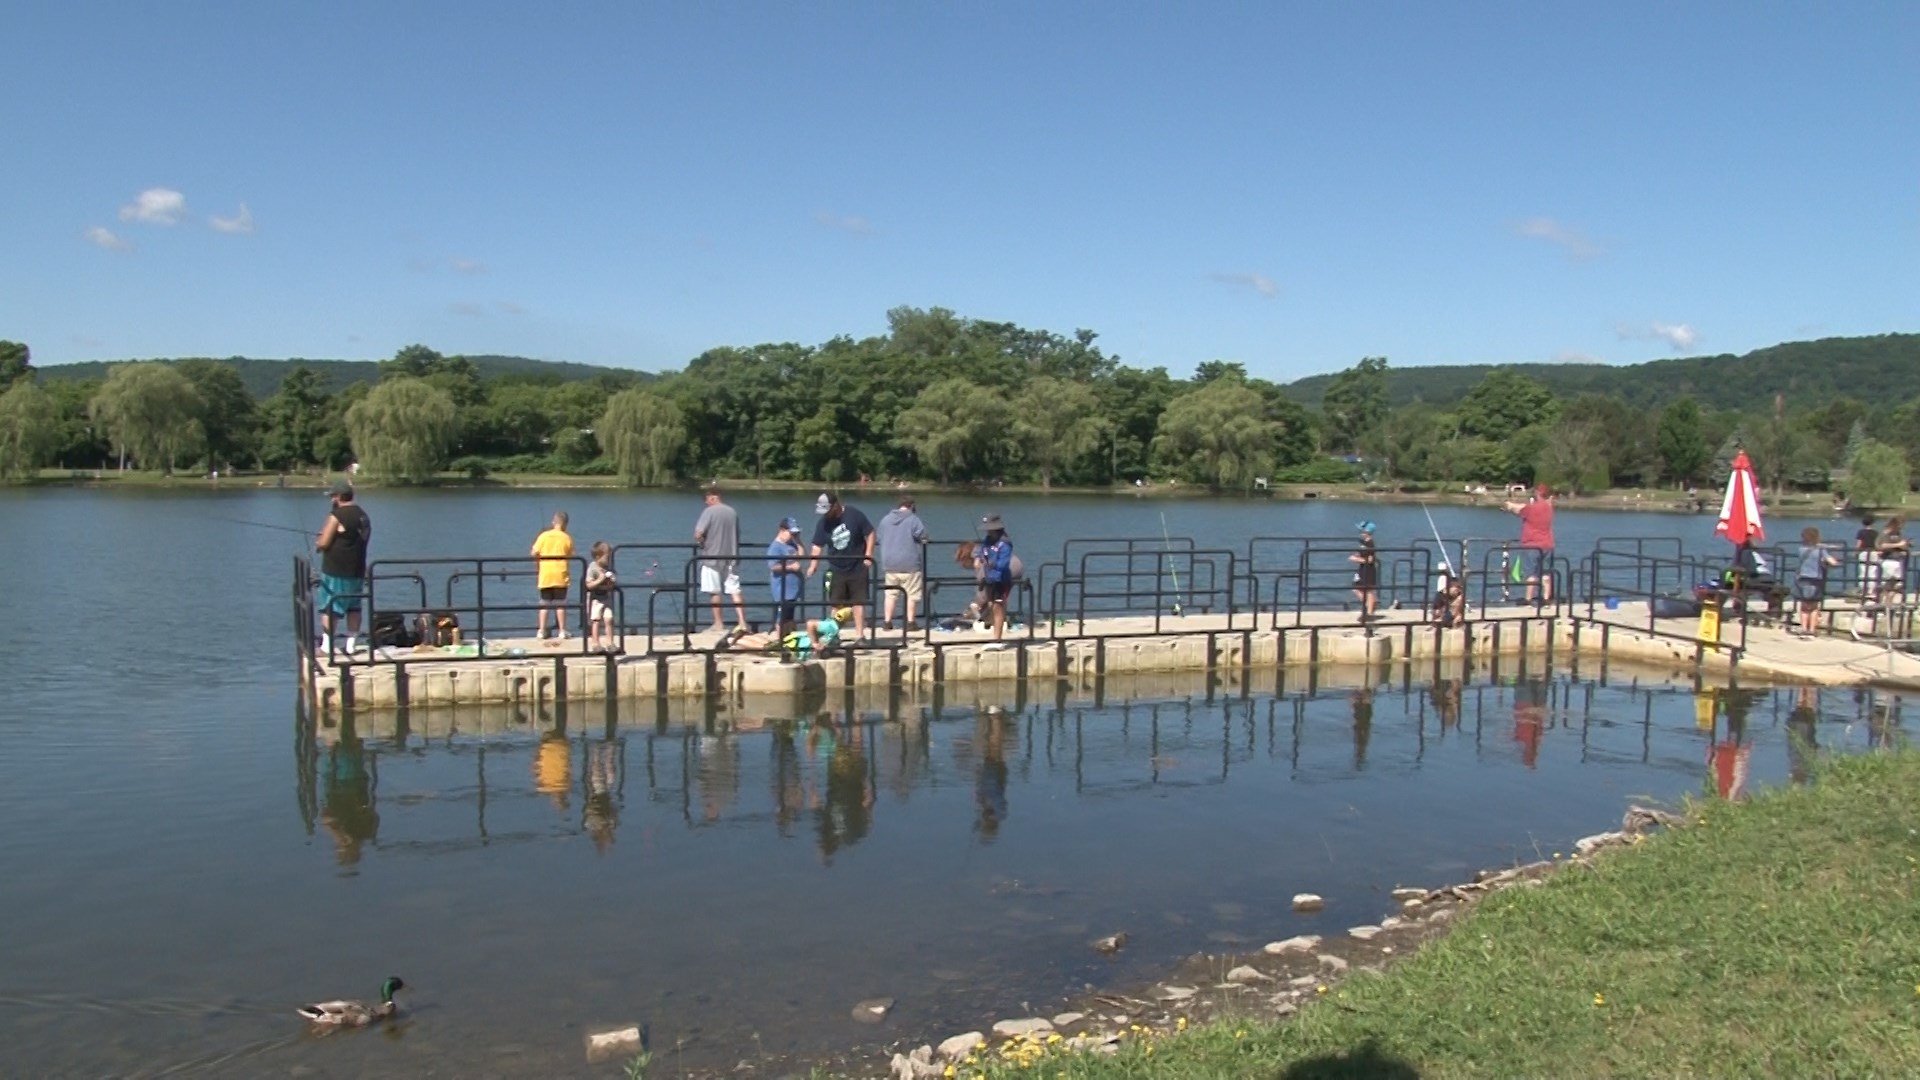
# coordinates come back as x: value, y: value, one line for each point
x: 1885, y: 368
x: 262, y: 377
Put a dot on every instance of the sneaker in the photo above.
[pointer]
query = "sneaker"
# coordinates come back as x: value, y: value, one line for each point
x: 563, y: 635
x: 993, y: 646
x: 888, y: 625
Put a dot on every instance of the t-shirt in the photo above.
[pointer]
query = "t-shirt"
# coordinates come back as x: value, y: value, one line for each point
x: 1536, y: 525
x: 996, y: 561
x: 845, y: 540
x: 784, y: 583
x: 554, y: 548
x: 346, y: 554
x: 1813, y: 564
x: 826, y: 631
x: 1867, y: 539
x: 599, y: 580
x: 719, y: 533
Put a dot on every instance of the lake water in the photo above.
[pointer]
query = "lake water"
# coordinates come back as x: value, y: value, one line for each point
x: 185, y: 861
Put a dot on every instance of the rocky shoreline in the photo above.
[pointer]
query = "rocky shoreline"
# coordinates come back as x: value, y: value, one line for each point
x: 1272, y: 983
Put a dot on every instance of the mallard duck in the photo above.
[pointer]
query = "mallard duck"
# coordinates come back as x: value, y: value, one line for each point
x: 354, y: 1013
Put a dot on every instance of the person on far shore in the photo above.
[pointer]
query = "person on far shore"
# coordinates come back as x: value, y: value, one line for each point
x: 1366, y: 571
x: 846, y: 537
x: 1866, y: 546
x: 553, y: 552
x: 1536, y: 543
x: 342, y: 545
x: 783, y: 575
x: 1810, y: 581
x: 902, y: 537
x: 718, y: 534
x: 993, y: 556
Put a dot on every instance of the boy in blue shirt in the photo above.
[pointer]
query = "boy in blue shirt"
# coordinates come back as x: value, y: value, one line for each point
x: 784, y: 576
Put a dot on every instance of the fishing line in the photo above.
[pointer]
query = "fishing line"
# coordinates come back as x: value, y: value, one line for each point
x: 1436, y: 539
x: 262, y: 525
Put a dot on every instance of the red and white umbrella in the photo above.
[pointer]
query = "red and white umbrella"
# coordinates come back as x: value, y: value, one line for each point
x: 1740, y: 511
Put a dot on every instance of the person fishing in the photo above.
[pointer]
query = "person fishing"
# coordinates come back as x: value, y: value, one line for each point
x: 1536, y: 543
x: 342, y: 545
x: 993, y: 560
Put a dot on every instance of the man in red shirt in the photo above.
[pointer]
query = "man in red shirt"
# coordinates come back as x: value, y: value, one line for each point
x: 1536, y: 543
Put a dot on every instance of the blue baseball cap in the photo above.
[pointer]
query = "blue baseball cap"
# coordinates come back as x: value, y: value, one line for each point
x: 790, y: 524
x: 1364, y: 526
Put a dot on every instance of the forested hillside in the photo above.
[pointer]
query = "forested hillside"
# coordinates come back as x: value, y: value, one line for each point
x: 1809, y: 372
x: 262, y: 378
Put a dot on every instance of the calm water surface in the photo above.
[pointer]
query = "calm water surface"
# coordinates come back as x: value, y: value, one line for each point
x: 185, y: 861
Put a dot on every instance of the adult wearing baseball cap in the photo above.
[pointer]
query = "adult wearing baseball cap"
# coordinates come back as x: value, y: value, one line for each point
x: 783, y: 576
x: 342, y: 545
x: 845, y: 536
x: 1536, y: 543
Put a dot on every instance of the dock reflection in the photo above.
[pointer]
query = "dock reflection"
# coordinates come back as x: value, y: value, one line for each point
x: 828, y: 769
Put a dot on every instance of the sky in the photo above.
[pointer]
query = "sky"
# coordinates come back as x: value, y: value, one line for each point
x: 1293, y: 186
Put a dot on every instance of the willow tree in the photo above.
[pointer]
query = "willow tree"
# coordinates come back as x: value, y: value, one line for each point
x: 643, y: 433
x: 1056, y: 423
x: 1879, y: 476
x: 402, y: 429
x: 1218, y: 434
x: 29, y: 429
x: 151, y: 413
x: 951, y: 426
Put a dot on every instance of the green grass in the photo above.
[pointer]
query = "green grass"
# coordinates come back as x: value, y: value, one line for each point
x: 1778, y: 937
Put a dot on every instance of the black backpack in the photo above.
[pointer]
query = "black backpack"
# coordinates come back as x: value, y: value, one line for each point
x: 391, y: 630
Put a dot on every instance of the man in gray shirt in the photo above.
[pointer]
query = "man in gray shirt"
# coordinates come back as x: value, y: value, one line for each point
x: 718, y: 534
x: 902, y: 535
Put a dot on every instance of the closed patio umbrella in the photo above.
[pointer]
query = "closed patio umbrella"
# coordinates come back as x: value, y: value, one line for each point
x: 1740, y: 511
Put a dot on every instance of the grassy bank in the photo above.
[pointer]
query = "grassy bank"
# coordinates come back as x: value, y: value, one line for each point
x: 1778, y: 937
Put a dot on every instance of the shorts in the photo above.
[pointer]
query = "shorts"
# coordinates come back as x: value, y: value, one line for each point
x: 339, y: 595
x: 1367, y: 576
x: 1893, y: 574
x: 1533, y: 562
x: 910, y: 582
x: 555, y: 595
x: 1808, y: 590
x: 724, y: 578
x: 995, y: 592
x: 598, y: 609
x: 849, y: 586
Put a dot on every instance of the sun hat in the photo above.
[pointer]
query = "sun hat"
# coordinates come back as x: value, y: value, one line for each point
x: 992, y: 521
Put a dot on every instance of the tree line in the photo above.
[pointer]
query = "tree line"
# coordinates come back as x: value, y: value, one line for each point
x: 938, y: 397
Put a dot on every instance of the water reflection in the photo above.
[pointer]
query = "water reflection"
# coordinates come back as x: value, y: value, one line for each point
x: 815, y: 769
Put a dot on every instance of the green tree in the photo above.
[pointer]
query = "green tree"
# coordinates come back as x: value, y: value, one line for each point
x: 16, y: 362
x: 1218, y: 435
x: 29, y: 429
x: 1056, y: 422
x: 1856, y: 438
x: 151, y: 412
x: 953, y: 426
x: 1681, y: 441
x: 1574, y: 457
x: 228, y: 417
x: 293, y: 421
x: 402, y: 429
x: 1356, y: 402
x: 1505, y: 402
x: 643, y: 433
x: 1879, y: 477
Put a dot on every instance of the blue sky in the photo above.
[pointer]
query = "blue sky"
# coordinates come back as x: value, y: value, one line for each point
x: 1293, y: 186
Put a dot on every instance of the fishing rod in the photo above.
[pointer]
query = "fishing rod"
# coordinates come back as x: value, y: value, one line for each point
x: 262, y: 525
x: 1436, y: 539
x: 1167, y: 538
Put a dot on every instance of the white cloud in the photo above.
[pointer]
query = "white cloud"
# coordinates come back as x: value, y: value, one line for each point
x: 101, y: 236
x: 470, y: 310
x: 467, y: 266
x: 1571, y: 240
x: 508, y: 307
x: 240, y: 224
x: 1259, y: 283
x: 1679, y: 336
x: 1575, y: 356
x: 156, y: 206
x: 851, y: 223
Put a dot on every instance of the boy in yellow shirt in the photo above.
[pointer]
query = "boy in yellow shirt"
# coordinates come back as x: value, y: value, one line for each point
x: 554, y: 550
